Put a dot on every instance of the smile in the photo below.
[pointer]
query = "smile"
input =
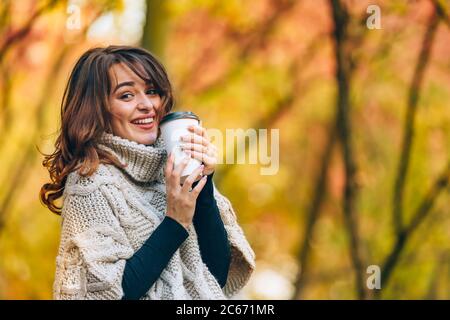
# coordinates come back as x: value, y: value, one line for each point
x: 142, y: 121
x: 146, y: 124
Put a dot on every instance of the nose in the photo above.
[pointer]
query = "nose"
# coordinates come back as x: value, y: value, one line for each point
x: 145, y: 104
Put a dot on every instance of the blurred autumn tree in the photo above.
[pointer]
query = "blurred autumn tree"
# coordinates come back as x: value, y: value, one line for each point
x: 364, y: 126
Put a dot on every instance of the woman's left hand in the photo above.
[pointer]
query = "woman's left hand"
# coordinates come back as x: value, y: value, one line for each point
x: 198, y: 146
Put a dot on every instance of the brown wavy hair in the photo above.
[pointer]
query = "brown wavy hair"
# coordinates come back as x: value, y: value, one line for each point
x: 85, y: 114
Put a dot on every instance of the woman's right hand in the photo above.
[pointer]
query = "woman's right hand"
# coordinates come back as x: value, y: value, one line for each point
x: 181, y: 201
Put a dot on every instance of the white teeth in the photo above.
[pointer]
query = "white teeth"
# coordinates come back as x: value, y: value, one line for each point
x: 142, y: 121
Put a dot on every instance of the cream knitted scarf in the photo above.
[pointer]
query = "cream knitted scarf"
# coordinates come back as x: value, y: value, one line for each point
x: 108, y: 216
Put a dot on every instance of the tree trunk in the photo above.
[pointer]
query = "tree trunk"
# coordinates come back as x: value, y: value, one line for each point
x: 155, y: 29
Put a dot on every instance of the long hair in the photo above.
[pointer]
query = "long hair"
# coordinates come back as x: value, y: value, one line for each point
x: 85, y: 114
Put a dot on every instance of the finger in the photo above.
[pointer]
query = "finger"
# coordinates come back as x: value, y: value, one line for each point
x: 202, y: 157
x: 187, y: 185
x: 176, y: 173
x: 195, y: 147
x: 198, y: 130
x: 169, y: 165
x: 198, y: 188
x: 212, y: 151
x: 205, y: 134
x: 195, y: 138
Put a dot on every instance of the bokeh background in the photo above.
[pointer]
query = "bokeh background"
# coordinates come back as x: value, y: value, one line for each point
x: 363, y: 114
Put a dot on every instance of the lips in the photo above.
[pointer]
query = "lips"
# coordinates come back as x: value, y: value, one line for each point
x: 146, y: 126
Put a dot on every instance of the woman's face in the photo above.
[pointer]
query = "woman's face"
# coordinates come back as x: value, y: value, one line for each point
x: 134, y: 104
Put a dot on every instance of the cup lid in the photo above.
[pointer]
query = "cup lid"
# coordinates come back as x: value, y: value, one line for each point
x: 178, y: 115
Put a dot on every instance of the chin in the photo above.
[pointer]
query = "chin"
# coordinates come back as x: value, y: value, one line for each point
x: 146, y: 138
x: 138, y: 136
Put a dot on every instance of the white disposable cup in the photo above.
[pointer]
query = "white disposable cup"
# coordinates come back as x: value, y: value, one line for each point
x: 173, y: 126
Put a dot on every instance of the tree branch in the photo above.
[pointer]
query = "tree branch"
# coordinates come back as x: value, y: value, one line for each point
x: 420, y: 214
x: 283, y: 105
x: 408, y: 132
x: 313, y: 210
x: 5, y: 110
x: 21, y: 169
x: 22, y: 166
x: 313, y: 213
x: 343, y: 75
x: 252, y: 41
x: 440, y: 10
x: 15, y: 37
x: 155, y: 28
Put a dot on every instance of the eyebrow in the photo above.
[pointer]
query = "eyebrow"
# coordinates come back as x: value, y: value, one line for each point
x: 131, y: 84
x: 124, y: 84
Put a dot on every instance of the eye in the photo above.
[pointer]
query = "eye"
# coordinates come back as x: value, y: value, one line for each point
x: 152, y: 92
x: 126, y: 96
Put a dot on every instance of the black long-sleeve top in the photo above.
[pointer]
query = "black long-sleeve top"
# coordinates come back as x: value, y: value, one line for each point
x: 145, y: 266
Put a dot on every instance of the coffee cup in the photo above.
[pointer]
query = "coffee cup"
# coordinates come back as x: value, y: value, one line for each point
x: 173, y: 126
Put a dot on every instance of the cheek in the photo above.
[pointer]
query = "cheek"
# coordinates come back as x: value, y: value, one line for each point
x: 121, y: 112
x: 159, y: 108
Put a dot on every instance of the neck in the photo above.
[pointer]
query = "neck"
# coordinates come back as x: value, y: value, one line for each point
x: 144, y: 163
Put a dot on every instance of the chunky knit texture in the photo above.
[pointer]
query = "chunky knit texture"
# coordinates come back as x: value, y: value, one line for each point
x: 108, y: 216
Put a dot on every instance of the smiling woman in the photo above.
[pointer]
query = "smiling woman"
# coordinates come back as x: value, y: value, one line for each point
x: 90, y: 108
x: 134, y: 103
x: 130, y: 230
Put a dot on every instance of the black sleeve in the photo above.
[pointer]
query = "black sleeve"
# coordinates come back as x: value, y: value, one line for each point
x: 211, y: 233
x: 145, y: 266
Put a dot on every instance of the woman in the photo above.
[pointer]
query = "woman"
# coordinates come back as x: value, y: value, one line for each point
x: 129, y: 229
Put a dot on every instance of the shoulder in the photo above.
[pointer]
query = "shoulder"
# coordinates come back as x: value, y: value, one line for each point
x: 77, y: 184
x: 85, y: 202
